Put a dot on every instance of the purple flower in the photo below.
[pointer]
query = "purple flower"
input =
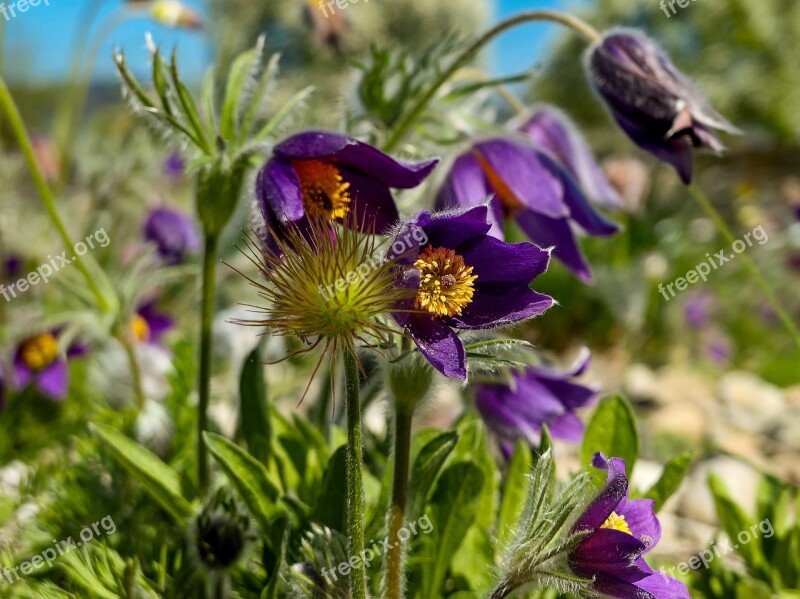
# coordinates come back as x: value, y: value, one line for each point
x: 621, y: 531
x: 173, y: 233
x: 535, y: 397
x: 330, y: 176
x: 174, y: 167
x: 12, y: 267
x: 40, y: 361
x: 697, y: 309
x: 654, y: 103
x: 464, y: 279
x: 527, y: 184
x: 149, y: 325
x: 552, y: 130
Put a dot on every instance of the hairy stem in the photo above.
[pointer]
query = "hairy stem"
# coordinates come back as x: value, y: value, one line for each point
x: 469, y: 53
x: 395, y: 559
x: 136, y: 372
x: 355, y: 459
x: 206, y: 345
x: 772, y: 297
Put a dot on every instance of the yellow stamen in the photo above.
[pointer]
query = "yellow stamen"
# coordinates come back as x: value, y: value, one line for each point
x: 446, y: 284
x: 617, y: 522
x: 324, y: 190
x: 140, y: 329
x: 39, y: 351
x: 507, y: 198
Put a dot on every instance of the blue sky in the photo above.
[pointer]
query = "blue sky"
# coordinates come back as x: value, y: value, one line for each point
x: 28, y: 58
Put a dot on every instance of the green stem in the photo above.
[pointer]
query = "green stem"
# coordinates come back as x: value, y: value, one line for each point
x: 772, y: 297
x: 583, y: 28
x: 206, y: 344
x: 136, y: 373
x: 395, y: 559
x: 355, y: 483
x: 24, y: 141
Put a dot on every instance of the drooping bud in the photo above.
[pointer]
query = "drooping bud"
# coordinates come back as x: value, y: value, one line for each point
x: 221, y: 531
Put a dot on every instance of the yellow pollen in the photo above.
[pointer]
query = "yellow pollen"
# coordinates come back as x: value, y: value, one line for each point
x: 501, y: 189
x: 140, y: 329
x: 617, y: 522
x: 324, y: 190
x: 39, y: 351
x: 446, y: 283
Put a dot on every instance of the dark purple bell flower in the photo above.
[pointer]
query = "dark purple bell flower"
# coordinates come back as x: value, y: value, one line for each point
x: 40, y: 361
x: 464, y: 279
x: 526, y: 183
x: 552, y: 130
x: 12, y: 267
x: 621, y: 531
x: 149, y: 325
x: 173, y: 233
x: 654, y: 103
x: 535, y: 397
x: 332, y: 176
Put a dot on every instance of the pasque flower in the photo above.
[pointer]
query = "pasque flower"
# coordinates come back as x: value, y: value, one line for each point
x: 536, y: 396
x: 620, y: 531
x: 331, y: 177
x: 148, y: 325
x: 654, y: 103
x: 464, y: 279
x: 41, y: 361
x: 552, y: 130
x: 173, y: 233
x: 528, y: 184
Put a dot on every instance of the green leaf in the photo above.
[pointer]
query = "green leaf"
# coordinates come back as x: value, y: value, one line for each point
x: 612, y: 430
x: 453, y: 508
x: 156, y: 477
x: 263, y: 84
x: 249, y: 477
x: 332, y: 500
x: 256, y: 425
x: 672, y: 476
x: 189, y: 105
x: 237, y: 79
x: 426, y: 468
x: 285, y: 110
x: 734, y: 520
x: 279, y: 541
x: 514, y: 493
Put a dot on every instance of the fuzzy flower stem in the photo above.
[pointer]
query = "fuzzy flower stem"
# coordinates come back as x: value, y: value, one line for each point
x: 23, y: 139
x: 583, y: 28
x: 702, y: 199
x: 355, y: 459
x: 206, y: 341
x: 501, y: 592
x: 402, y: 456
x: 136, y: 373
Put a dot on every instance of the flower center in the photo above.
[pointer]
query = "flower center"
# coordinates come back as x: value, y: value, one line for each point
x: 140, y: 329
x: 617, y: 522
x: 39, y: 351
x: 324, y: 190
x: 446, y: 284
x: 503, y: 192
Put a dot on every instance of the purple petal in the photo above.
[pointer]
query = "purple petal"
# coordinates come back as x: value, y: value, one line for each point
x: 641, y: 519
x: 611, y: 586
x: 173, y: 233
x: 498, y: 306
x: 498, y: 409
x: 556, y: 233
x: 531, y: 181
x: 551, y: 129
x: 661, y: 586
x: 22, y: 374
x: 610, y: 552
x: 439, y: 344
x: 53, y: 381
x: 453, y: 229
x: 495, y: 261
x: 349, y: 152
x: 372, y: 203
x: 567, y: 427
x: 613, y: 492
x: 279, y: 192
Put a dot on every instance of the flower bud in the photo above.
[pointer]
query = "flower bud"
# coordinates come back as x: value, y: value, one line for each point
x: 222, y: 531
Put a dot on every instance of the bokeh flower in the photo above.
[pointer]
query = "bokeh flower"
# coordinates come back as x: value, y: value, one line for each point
x: 464, y: 279
x: 697, y: 308
x: 654, y: 103
x: 174, y: 13
x: 534, y: 397
x: 620, y: 531
x: 149, y: 325
x: 552, y: 130
x: 330, y: 177
x: 173, y: 233
x: 39, y: 360
x: 11, y: 267
x: 174, y: 167
x: 527, y: 184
